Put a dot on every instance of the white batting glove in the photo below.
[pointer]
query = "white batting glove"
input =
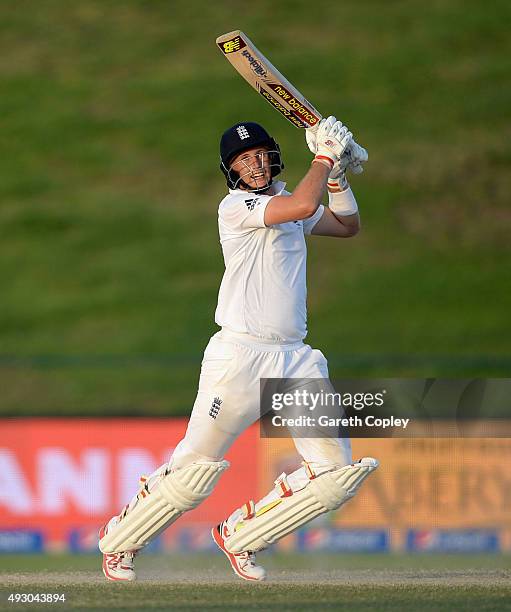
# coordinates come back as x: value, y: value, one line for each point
x: 358, y: 156
x: 331, y: 142
x: 311, y: 134
x: 352, y: 158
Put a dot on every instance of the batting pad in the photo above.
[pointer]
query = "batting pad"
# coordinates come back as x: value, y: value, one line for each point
x: 322, y: 493
x: 157, y: 508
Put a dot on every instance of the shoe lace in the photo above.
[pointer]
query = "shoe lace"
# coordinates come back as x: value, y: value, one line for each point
x: 113, y: 560
x: 127, y: 558
x: 247, y: 558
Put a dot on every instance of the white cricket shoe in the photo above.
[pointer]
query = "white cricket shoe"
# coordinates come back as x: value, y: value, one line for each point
x: 242, y: 563
x: 118, y: 566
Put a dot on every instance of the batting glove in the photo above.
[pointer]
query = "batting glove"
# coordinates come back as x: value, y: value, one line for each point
x: 353, y: 157
x: 331, y: 142
x: 311, y: 134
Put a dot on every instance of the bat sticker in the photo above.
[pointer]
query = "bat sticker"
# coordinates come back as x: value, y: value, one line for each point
x: 233, y: 45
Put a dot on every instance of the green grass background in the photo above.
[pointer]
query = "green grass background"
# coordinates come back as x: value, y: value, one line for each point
x: 110, y: 264
x: 76, y: 577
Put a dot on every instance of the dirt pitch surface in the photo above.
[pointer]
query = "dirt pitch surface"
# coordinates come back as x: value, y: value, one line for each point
x: 385, y: 583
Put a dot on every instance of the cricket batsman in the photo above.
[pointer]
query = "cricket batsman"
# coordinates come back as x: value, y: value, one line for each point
x: 262, y: 315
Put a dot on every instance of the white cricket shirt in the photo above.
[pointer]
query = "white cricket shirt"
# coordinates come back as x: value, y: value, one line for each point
x: 263, y: 291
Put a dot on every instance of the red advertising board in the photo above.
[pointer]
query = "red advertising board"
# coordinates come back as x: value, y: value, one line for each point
x: 63, y: 478
x: 60, y: 474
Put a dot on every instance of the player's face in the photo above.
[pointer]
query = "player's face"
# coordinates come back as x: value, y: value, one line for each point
x: 253, y: 167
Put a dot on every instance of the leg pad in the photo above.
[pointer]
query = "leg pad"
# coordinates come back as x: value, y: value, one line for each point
x: 323, y: 493
x: 172, y: 495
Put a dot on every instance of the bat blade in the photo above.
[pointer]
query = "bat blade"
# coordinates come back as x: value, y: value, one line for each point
x: 262, y: 75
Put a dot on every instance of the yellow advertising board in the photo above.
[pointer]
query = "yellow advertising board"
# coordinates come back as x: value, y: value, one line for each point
x: 422, y: 483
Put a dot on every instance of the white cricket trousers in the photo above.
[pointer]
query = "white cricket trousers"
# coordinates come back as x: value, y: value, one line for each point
x: 228, y: 399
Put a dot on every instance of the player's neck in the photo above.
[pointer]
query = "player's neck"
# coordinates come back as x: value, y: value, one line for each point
x: 268, y: 191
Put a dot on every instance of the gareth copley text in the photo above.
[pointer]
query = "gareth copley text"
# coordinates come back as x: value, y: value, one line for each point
x: 314, y: 401
x: 328, y: 421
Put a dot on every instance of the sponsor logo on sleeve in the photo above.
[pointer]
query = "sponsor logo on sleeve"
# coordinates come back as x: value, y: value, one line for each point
x: 251, y: 203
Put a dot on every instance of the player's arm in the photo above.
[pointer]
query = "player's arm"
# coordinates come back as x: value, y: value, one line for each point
x: 341, y: 219
x: 306, y: 198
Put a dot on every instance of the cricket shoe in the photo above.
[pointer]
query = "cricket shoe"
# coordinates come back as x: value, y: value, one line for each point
x: 118, y: 566
x: 242, y: 563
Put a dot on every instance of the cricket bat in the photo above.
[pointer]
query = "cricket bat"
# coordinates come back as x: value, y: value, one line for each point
x: 259, y: 72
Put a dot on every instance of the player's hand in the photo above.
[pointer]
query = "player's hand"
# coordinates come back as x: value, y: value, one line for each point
x: 353, y: 157
x: 337, y: 175
x: 358, y: 156
x: 332, y: 141
x: 311, y: 134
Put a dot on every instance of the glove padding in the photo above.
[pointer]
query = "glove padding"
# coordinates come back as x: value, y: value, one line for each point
x: 353, y: 157
x: 332, y: 140
x: 311, y: 134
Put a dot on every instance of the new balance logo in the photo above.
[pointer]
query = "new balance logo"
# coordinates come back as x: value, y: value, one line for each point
x: 251, y: 203
x: 242, y: 132
x: 215, y: 408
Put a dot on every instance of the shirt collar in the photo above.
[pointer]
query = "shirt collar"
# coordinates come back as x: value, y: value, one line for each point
x: 279, y: 187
